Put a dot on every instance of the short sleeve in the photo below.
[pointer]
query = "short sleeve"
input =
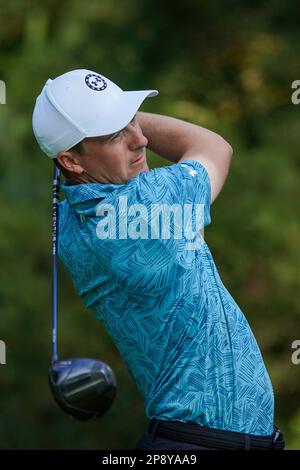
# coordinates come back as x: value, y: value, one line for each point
x: 186, y: 183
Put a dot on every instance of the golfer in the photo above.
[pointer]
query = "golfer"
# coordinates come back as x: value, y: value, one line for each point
x: 132, y: 240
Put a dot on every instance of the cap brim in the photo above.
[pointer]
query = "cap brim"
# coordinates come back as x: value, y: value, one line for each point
x: 121, y: 112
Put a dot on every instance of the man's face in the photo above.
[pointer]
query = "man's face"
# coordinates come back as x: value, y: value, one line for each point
x: 110, y: 159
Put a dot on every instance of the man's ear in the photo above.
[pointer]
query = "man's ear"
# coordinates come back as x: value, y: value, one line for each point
x: 70, y: 162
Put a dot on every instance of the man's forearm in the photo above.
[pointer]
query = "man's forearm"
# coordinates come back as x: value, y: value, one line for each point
x: 171, y: 138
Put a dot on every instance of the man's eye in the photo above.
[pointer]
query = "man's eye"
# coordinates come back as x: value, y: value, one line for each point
x: 117, y: 135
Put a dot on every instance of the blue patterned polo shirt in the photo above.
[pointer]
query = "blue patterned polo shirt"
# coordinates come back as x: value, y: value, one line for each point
x: 138, y: 260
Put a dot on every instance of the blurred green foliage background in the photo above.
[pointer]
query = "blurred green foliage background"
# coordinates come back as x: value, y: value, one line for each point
x: 226, y: 65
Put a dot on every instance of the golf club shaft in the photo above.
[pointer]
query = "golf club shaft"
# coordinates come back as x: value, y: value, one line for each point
x: 55, y: 215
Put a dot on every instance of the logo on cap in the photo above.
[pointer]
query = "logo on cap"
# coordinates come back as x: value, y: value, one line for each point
x: 95, y: 82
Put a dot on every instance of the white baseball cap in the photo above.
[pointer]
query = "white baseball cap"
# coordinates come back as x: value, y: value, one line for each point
x: 80, y: 104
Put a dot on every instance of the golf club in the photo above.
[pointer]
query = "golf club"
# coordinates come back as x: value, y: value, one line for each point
x: 84, y: 388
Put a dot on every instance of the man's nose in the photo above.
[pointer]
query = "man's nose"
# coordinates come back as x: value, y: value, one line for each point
x: 137, y: 138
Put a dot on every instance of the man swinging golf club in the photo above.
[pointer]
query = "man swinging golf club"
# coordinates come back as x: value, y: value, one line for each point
x: 153, y: 283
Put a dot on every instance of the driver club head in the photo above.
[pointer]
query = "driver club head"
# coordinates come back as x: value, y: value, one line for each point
x: 84, y: 388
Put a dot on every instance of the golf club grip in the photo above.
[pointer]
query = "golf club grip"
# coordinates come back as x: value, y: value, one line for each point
x: 55, y: 226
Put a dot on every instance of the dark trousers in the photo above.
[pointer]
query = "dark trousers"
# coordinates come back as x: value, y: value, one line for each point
x: 150, y: 442
x: 164, y: 435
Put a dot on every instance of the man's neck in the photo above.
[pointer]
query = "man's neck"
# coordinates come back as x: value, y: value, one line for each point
x: 81, y: 179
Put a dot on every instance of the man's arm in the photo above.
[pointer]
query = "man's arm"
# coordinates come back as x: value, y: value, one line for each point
x: 177, y: 140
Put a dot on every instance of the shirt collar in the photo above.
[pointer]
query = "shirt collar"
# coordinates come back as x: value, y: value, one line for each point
x: 85, y: 196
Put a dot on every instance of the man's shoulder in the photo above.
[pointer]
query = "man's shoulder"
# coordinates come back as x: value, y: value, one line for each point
x: 174, y: 182
x: 187, y: 169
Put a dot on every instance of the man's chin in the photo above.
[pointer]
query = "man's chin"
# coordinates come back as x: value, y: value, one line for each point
x: 145, y: 166
x: 141, y: 168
